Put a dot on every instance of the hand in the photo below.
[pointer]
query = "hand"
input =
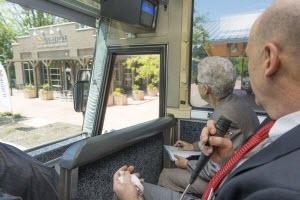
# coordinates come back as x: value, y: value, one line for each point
x: 125, y: 190
x: 220, y: 148
x: 185, y: 146
x: 181, y: 162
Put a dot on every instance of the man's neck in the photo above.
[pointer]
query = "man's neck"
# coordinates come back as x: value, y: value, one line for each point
x: 213, y: 101
x: 284, y: 103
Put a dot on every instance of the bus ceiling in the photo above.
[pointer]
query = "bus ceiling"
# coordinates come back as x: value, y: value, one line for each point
x: 141, y: 14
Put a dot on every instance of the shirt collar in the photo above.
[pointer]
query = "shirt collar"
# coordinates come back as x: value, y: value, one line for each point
x: 284, y: 124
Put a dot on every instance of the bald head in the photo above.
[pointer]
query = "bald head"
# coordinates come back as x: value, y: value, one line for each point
x: 274, y: 61
x: 279, y: 24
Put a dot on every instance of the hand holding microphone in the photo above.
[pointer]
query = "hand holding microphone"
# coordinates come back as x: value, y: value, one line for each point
x: 213, y: 146
x: 210, y: 144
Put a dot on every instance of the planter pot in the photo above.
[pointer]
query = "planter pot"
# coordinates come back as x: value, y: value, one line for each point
x: 120, y: 100
x: 29, y: 94
x: 152, y: 92
x: 138, y: 95
x: 110, y: 100
x: 46, y: 95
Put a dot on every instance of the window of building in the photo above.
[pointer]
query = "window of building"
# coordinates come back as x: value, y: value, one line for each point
x: 28, y: 74
x: 55, y: 78
x: 134, y: 91
x: 221, y: 29
x: 43, y: 75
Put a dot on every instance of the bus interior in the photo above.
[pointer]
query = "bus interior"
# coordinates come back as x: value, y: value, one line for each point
x: 175, y: 35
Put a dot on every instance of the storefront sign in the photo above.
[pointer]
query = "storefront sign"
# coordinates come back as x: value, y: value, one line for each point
x: 5, y: 101
x: 52, y: 41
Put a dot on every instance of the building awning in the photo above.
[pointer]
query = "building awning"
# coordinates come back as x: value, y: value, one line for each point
x: 83, y: 61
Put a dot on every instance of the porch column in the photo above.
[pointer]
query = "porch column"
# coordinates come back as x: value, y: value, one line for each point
x: 47, y: 64
x: 34, y: 64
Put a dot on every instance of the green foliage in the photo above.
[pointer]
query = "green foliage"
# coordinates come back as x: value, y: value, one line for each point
x: 117, y: 92
x: 35, y: 18
x: 46, y: 87
x: 146, y: 67
x: 135, y: 87
x: 5, y: 114
x: 241, y: 65
x: 200, y: 37
x: 9, y: 114
x: 7, y: 36
x: 29, y: 87
x: 26, y: 18
x: 151, y: 86
x: 17, y: 116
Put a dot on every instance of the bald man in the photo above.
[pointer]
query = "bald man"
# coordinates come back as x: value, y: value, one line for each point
x: 270, y: 168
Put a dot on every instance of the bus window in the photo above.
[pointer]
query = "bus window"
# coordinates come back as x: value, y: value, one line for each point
x: 222, y: 30
x: 134, y: 91
x: 45, y: 56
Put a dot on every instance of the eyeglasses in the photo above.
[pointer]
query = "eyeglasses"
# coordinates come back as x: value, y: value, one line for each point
x: 196, y: 82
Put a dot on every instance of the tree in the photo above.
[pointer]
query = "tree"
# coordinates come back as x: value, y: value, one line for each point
x: 34, y: 18
x: 199, y: 43
x: 240, y: 64
x: 200, y: 37
x: 145, y: 67
x: 7, y: 36
x: 21, y: 19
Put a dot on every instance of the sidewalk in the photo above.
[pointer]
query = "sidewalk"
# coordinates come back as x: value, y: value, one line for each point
x: 46, y: 121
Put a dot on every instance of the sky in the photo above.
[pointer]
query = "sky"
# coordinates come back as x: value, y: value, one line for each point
x: 214, y: 9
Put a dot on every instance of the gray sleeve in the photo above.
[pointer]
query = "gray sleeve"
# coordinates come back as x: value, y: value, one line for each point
x: 209, y: 170
x: 196, y: 146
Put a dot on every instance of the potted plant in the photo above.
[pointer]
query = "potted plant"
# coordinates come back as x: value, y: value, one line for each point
x: 137, y: 94
x: 120, y: 99
x: 46, y: 92
x: 29, y: 91
x: 152, y: 90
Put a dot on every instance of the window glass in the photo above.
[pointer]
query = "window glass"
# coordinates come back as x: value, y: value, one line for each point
x: 222, y: 29
x: 134, y: 91
x: 42, y: 52
x: 28, y: 72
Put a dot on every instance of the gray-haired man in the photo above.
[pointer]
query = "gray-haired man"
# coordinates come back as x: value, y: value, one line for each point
x: 216, y: 81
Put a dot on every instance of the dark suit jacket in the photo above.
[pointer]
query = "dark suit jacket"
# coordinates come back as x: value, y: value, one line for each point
x: 23, y: 176
x: 273, y: 173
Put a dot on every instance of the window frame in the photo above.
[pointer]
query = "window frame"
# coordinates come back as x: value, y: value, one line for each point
x: 27, y: 69
x: 194, y: 108
x: 113, y: 51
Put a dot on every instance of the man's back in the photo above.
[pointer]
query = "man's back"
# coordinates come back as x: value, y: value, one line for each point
x: 23, y: 176
x: 244, y: 119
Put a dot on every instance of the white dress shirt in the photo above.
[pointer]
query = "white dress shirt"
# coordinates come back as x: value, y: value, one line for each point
x: 280, y: 127
x: 284, y: 124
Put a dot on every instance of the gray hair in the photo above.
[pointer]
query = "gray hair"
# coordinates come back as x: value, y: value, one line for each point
x: 219, y: 74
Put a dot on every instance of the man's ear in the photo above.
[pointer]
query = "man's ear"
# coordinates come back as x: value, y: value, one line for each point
x: 205, y: 89
x: 272, y: 61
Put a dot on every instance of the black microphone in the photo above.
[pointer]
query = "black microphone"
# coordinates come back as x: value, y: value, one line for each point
x: 222, y: 127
